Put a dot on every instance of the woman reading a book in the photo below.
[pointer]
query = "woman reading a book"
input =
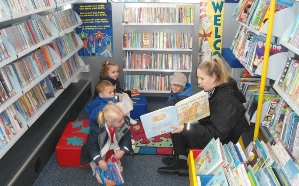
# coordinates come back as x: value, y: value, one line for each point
x: 226, y: 120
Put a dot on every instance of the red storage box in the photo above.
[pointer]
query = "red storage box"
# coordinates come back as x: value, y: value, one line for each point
x: 69, y: 146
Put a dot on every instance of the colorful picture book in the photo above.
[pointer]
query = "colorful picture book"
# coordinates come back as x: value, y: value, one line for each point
x: 112, y: 173
x: 209, y: 160
x: 188, y: 110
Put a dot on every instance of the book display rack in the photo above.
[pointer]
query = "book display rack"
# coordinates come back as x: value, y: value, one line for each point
x: 278, y: 125
x: 151, y: 57
x: 38, y: 61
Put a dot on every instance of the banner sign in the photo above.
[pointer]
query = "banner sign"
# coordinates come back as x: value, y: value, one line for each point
x: 210, y: 28
x: 96, y: 30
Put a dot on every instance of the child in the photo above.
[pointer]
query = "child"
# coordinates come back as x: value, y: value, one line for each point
x: 110, y: 71
x: 108, y: 140
x: 105, y: 93
x: 180, y: 89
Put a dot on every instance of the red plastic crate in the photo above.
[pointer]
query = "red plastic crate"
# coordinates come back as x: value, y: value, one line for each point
x: 68, y: 148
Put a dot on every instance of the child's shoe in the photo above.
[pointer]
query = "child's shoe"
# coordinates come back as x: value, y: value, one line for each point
x: 133, y: 122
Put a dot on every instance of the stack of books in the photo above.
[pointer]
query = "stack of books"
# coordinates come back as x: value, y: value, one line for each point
x: 259, y: 164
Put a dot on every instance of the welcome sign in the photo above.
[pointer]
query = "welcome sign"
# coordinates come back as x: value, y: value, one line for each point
x: 210, y: 28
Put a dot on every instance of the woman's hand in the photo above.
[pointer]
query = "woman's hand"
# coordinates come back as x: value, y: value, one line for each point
x: 177, y: 129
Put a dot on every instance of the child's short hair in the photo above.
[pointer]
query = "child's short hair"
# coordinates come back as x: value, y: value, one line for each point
x: 102, y: 85
x: 105, y: 68
x: 109, y: 113
x: 179, y: 78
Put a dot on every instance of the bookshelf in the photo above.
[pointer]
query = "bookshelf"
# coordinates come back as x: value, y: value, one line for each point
x: 30, y: 58
x: 151, y: 57
x: 281, y: 131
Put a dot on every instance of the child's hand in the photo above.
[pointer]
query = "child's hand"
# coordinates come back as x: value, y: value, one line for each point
x: 102, y: 164
x: 119, y: 154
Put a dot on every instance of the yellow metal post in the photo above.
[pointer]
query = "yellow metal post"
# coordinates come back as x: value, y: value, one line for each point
x: 265, y: 68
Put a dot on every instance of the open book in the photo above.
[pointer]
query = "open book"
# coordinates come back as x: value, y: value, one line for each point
x: 188, y: 110
x: 111, y: 173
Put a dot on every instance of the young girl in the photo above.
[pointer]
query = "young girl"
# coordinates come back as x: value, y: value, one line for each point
x: 110, y: 71
x: 108, y: 140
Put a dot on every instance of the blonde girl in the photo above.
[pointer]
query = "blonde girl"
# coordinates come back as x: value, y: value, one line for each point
x: 108, y: 140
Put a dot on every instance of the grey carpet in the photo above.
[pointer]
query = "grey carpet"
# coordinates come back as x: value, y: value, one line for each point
x: 139, y: 170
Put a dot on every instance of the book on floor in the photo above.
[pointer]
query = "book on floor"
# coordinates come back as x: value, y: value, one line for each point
x: 112, y: 173
x: 188, y: 110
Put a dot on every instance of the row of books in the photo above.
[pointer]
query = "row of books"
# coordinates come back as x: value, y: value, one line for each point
x: 158, y: 61
x: 65, y: 44
x: 17, y: 75
x: 281, y: 124
x: 157, y: 40
x: 63, y: 19
x: 26, y: 34
x: 31, y: 101
x: 255, y: 13
x: 68, y: 68
x: 178, y: 14
x: 249, y: 48
x: 2, y: 12
x: 294, y: 33
x: 148, y: 82
x: 14, y: 117
x: 19, y: 6
x: 289, y: 79
x: 4, y: 55
x: 10, y: 125
x: 259, y: 164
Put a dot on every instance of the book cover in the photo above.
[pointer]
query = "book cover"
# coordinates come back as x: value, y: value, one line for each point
x: 209, y: 159
x: 291, y: 171
x: 262, y: 178
x: 188, y: 110
x: 112, y: 173
x: 47, y: 89
x: 219, y: 178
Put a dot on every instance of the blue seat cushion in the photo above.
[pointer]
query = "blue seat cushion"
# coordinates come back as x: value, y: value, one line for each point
x: 231, y: 59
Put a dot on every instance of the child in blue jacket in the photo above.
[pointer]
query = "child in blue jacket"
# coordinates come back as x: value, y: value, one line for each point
x: 180, y: 89
x: 105, y: 92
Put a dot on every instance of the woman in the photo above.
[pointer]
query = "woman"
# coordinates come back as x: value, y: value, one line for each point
x: 226, y: 120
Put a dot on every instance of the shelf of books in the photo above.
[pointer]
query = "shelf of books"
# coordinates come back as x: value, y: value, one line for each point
x: 30, y: 7
x: 4, y: 12
x: 166, y: 48
x: 154, y: 70
x: 60, y: 3
x: 11, y: 142
x: 38, y: 62
x: 274, y: 160
x: 8, y: 53
x: 249, y: 41
x: 228, y: 164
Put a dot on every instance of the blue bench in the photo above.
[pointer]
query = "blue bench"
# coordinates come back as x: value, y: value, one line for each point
x: 231, y: 59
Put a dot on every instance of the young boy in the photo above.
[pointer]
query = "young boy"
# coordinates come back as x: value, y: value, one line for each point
x: 105, y: 92
x: 180, y: 89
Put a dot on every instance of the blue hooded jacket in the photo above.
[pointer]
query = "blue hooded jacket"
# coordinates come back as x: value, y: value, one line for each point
x: 94, y: 107
x: 176, y: 97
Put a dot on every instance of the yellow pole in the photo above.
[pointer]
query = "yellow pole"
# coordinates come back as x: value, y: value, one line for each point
x: 265, y: 68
